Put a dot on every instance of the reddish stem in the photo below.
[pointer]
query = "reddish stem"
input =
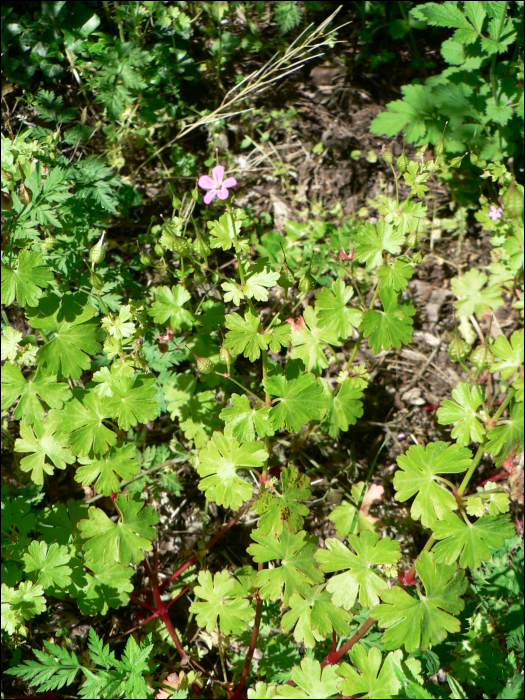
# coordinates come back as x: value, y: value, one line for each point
x: 237, y: 693
x: 334, y: 656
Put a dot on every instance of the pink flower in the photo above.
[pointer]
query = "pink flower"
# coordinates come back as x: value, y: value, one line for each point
x: 218, y: 185
x: 495, y: 212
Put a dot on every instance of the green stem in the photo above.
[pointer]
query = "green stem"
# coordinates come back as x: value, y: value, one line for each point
x: 471, y: 469
x: 365, y: 486
x: 397, y: 186
x: 244, y: 388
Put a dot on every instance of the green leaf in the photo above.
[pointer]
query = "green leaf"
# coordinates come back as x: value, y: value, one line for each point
x: 120, y: 461
x: 444, y: 15
x: 311, y: 680
x: 82, y: 419
x: 343, y: 515
x: 511, y: 354
x: 38, y: 386
x: 277, y: 508
x: 76, y: 333
x: 168, y: 307
x: 21, y: 604
x: 48, y: 567
x: 26, y: 282
x: 133, y: 400
x: 233, y: 292
x: 470, y: 540
x: 42, y: 441
x: 419, y: 622
x: 104, y: 586
x: 367, y: 677
x: 372, y: 242
x: 361, y: 576
x: 297, y: 566
x: 314, y: 616
x: 406, y: 218
x: 499, y: 114
x: 223, y: 602
x: 222, y: 234
x: 395, y: 276
x: 412, y: 112
x: 333, y: 312
x: 464, y: 412
x: 243, y: 335
x: 10, y: 343
x: 344, y: 408
x: 257, y: 284
x: 309, y: 340
x: 507, y: 435
x: 390, y: 327
x: 124, y: 540
x: 418, y: 470
x: 416, y: 178
x: 302, y: 399
x: 471, y: 295
x: 218, y: 465
x: 54, y: 669
x: 245, y: 421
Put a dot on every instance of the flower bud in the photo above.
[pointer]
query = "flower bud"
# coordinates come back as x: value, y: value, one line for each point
x: 204, y: 364
x: 438, y: 148
x: 7, y: 201
x: 306, y: 283
x: 145, y: 259
x: 226, y: 357
x: 474, y: 159
x: 182, y: 246
x: 287, y: 278
x: 25, y: 195
x: 402, y: 163
x: 98, y: 252
x: 482, y: 357
x: 201, y: 247
x: 458, y: 349
x: 387, y: 155
x: 512, y: 200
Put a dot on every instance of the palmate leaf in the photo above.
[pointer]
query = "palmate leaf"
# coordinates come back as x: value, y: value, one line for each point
x: 311, y: 681
x: 413, y: 112
x: 426, y: 619
x: 343, y: 515
x: 222, y: 234
x: 418, y: 470
x: 133, y: 400
x: 277, y: 508
x: 246, y: 420
x: 333, y: 312
x: 243, y: 335
x: 218, y: 465
x: 373, y: 241
x: 40, y: 441
x: 120, y: 461
x: 258, y: 283
x: 470, y: 540
x: 223, y: 602
x: 198, y: 412
x: 407, y: 217
x: 370, y: 676
x: 102, y: 586
x: 122, y: 541
x: 390, y: 327
x: 510, y: 354
x: 507, y: 436
x: 314, y: 616
x: 472, y: 296
x: 76, y: 334
x: 361, y: 576
x: 464, y: 412
x: 25, y: 284
x: 31, y: 392
x: 395, y: 276
x: 21, y: 604
x: 168, y: 309
x: 297, y: 567
x: 48, y: 567
x: 343, y: 407
x: 82, y: 419
x: 301, y: 398
x: 309, y: 340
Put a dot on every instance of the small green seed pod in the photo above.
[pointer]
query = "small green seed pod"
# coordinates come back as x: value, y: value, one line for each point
x: 201, y: 247
x: 182, y: 246
x: 145, y: 259
x: 307, y: 283
x: 98, y: 252
x: 287, y: 278
x: 198, y: 277
x: 512, y: 200
x: 216, y: 277
x: 159, y: 250
x: 458, y: 349
x: 7, y: 201
x: 204, y: 364
x: 387, y: 155
x: 412, y: 239
x: 25, y: 195
x: 96, y: 281
x: 439, y: 148
x: 474, y: 159
x: 482, y: 357
x: 402, y: 163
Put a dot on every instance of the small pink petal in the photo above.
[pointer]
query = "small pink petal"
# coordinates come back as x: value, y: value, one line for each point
x: 206, y: 182
x: 229, y: 182
x: 218, y: 174
x: 222, y: 193
x: 209, y: 196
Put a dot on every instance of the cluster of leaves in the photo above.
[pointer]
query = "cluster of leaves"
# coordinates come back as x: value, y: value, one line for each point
x: 97, y: 355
